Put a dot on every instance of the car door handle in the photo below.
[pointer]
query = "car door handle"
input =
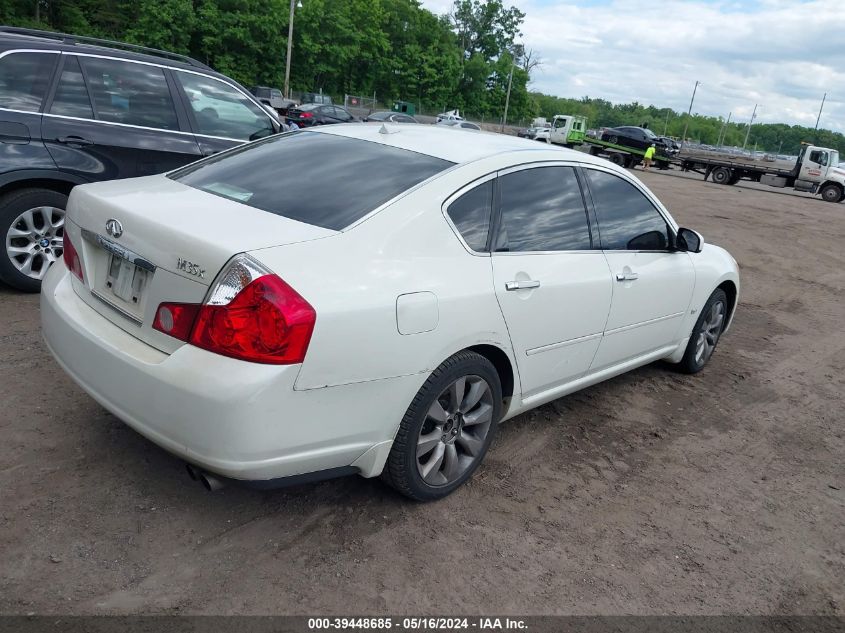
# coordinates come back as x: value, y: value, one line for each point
x: 522, y: 285
x: 74, y: 140
x: 627, y: 276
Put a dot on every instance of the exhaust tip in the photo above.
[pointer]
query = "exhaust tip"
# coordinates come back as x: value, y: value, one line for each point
x: 210, y: 482
x: 192, y: 472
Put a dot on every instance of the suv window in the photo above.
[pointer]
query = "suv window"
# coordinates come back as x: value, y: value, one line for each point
x: 471, y: 215
x: 221, y: 110
x: 542, y: 210
x: 130, y: 93
x: 628, y: 221
x: 24, y: 78
x: 71, y: 98
x: 250, y: 175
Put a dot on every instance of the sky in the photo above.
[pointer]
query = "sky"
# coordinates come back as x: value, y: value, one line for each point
x: 781, y: 54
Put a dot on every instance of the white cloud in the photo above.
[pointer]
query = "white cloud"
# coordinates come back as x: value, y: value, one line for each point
x: 781, y: 54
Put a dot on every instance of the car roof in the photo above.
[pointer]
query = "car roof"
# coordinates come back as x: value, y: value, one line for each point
x: 54, y: 42
x: 455, y: 145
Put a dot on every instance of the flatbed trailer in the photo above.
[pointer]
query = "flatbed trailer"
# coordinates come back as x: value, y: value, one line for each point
x: 622, y: 155
x: 816, y: 171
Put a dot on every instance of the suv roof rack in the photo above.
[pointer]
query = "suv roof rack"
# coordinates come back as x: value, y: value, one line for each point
x: 66, y: 38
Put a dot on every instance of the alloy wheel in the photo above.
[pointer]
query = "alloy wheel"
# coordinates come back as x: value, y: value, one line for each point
x: 35, y: 240
x: 709, y: 333
x: 453, y: 434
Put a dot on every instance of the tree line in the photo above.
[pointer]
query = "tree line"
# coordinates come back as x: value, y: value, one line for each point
x: 394, y: 49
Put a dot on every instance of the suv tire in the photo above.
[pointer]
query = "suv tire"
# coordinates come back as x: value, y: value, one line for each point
x: 31, y: 219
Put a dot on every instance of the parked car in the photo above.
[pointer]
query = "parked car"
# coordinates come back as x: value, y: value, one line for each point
x: 452, y: 115
x: 634, y: 137
x: 316, y: 97
x: 543, y: 134
x: 309, y: 114
x: 311, y: 322
x: 390, y: 117
x: 273, y: 98
x: 525, y: 132
x: 75, y: 110
x: 460, y: 125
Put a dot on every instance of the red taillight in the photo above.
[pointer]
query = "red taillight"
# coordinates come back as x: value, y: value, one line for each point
x: 249, y: 314
x: 267, y: 322
x: 305, y: 115
x: 71, y: 257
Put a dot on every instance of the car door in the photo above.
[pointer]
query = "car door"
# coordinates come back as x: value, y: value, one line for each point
x: 652, y: 285
x: 552, y: 281
x: 814, y: 165
x: 24, y: 80
x: 111, y: 118
x: 221, y: 114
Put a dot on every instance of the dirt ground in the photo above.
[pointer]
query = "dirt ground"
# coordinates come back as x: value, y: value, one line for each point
x: 654, y: 493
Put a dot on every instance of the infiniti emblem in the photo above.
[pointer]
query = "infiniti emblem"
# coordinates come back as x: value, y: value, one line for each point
x: 114, y: 228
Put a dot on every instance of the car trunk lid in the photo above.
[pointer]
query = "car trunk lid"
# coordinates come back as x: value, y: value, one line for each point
x: 151, y: 240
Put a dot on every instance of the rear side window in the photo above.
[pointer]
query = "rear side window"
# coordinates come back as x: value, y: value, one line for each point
x: 627, y: 219
x: 221, y: 110
x: 542, y: 210
x: 71, y: 98
x: 321, y: 179
x: 24, y: 78
x: 471, y: 215
x: 134, y: 94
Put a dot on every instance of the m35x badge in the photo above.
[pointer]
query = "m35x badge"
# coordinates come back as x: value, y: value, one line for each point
x: 190, y: 267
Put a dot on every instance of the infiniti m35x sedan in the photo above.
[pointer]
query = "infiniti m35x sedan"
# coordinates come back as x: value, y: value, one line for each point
x: 434, y: 284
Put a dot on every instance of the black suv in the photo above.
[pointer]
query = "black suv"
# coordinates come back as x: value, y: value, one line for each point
x: 76, y: 110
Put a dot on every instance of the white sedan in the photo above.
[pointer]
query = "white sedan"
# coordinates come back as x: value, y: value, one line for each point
x: 380, y: 309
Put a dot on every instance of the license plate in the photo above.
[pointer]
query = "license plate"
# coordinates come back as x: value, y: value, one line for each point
x: 126, y: 280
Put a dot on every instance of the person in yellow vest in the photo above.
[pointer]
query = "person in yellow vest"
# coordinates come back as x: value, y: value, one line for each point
x: 649, y: 154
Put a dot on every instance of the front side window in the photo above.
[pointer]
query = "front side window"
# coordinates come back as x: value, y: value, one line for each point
x: 819, y: 157
x: 628, y: 221
x: 24, y: 78
x: 221, y: 110
x: 471, y: 215
x: 542, y: 210
x: 130, y: 93
x: 71, y: 98
x: 260, y: 175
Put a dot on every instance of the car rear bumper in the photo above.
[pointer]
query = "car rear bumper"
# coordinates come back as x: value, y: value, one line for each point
x: 233, y: 418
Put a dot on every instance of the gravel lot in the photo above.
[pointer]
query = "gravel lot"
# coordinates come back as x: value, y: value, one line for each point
x: 652, y: 493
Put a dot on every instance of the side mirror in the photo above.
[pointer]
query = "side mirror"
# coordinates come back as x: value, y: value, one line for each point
x: 688, y: 241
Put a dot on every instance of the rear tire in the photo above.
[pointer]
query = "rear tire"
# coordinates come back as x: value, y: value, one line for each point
x: 447, y: 429
x: 31, y: 235
x: 721, y: 176
x: 618, y: 159
x: 831, y: 193
x: 705, y: 335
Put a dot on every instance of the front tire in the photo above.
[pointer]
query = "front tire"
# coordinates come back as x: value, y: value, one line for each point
x: 705, y: 335
x: 447, y: 429
x: 831, y: 193
x: 32, y: 225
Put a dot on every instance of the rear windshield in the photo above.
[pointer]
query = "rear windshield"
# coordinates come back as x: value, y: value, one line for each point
x: 321, y: 179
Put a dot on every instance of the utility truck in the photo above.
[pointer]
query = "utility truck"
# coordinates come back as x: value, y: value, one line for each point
x: 816, y: 171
